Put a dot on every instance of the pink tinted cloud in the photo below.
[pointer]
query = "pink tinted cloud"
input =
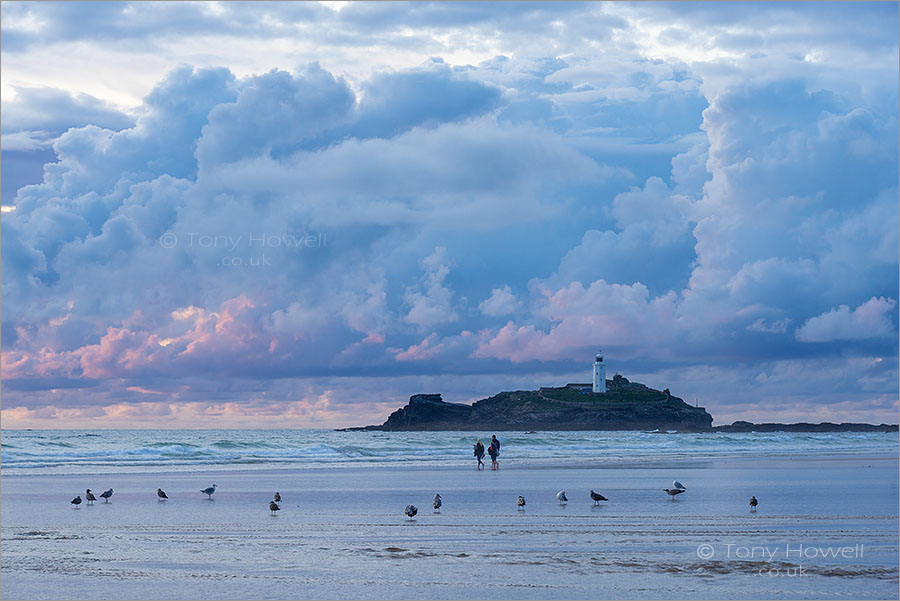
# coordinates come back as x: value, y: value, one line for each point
x: 232, y: 335
x: 601, y: 315
x: 427, y: 349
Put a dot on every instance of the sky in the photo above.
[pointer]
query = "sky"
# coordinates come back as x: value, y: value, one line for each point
x: 297, y: 215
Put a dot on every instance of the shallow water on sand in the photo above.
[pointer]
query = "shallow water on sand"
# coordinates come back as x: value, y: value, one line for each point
x: 341, y: 533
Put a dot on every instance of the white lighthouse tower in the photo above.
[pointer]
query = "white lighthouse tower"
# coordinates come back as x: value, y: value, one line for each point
x: 599, y: 373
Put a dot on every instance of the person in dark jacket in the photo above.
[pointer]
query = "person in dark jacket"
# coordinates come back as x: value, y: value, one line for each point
x: 496, y: 444
x: 494, y: 452
x: 479, y: 454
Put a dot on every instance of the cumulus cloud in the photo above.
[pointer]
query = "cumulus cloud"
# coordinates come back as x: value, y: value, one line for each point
x: 431, y: 302
x: 427, y: 96
x: 53, y: 111
x: 501, y: 302
x: 26, y: 141
x: 608, y: 315
x: 651, y: 242
x: 871, y: 319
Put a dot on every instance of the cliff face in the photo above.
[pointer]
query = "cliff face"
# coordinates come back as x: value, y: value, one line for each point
x: 426, y: 412
x: 627, y: 406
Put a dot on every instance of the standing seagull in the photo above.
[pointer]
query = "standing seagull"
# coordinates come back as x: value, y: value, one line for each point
x: 679, y: 488
x: 107, y: 494
x: 209, y: 491
x: 76, y: 501
x: 277, y: 498
x: 597, y: 497
x: 162, y: 494
x: 437, y: 502
x: 89, y: 496
x: 411, y: 511
x: 562, y: 498
x: 753, y: 504
x: 520, y: 502
x: 273, y: 507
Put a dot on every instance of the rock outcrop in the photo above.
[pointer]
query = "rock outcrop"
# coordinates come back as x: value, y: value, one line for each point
x: 741, y: 426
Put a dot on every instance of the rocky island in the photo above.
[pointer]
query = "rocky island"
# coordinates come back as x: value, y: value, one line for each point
x: 624, y: 406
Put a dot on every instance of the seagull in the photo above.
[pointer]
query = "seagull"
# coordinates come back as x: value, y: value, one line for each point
x: 437, y: 502
x: 673, y: 491
x: 273, y: 507
x: 597, y: 497
x: 89, y: 496
x: 753, y: 503
x: 161, y: 494
x: 411, y: 511
x: 561, y: 496
x: 277, y: 498
x: 76, y: 501
x: 209, y: 491
x: 520, y: 502
x: 107, y: 494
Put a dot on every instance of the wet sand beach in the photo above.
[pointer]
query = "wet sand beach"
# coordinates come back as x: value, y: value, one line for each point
x: 825, y: 528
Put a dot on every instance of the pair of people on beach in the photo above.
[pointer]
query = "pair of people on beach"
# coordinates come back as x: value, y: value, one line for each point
x: 493, y: 451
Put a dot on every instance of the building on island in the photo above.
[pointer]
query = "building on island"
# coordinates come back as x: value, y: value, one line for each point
x: 580, y: 387
x: 599, y: 374
x: 599, y: 383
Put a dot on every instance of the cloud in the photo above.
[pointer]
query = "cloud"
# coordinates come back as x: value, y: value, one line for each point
x: 427, y: 349
x: 652, y: 242
x: 607, y: 315
x: 273, y: 111
x: 431, y: 302
x: 53, y: 111
x: 771, y: 233
x: 27, y: 25
x: 872, y: 319
x: 428, y: 95
x: 26, y: 141
x: 501, y: 302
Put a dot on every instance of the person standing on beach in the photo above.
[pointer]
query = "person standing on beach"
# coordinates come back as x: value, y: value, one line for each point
x: 479, y: 454
x: 492, y: 451
x: 495, y: 444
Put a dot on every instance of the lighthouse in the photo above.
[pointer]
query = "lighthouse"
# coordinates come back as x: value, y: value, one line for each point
x: 599, y: 373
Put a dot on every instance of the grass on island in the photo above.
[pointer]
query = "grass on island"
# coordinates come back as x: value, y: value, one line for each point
x: 623, y: 397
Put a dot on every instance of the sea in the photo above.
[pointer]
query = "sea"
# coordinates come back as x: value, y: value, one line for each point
x: 59, y: 452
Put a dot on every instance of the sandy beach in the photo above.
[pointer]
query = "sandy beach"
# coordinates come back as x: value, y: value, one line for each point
x: 825, y: 528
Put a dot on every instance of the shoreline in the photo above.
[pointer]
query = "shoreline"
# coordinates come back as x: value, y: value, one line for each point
x: 514, y: 465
